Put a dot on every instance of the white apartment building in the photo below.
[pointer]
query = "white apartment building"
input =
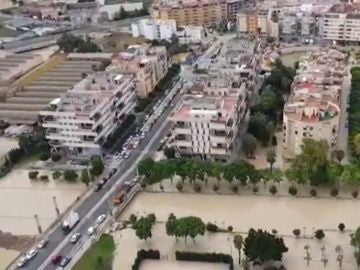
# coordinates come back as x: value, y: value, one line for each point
x: 205, y: 126
x: 341, y: 23
x: 289, y: 24
x: 79, y: 122
x: 154, y: 29
x: 190, y: 34
x: 312, y: 110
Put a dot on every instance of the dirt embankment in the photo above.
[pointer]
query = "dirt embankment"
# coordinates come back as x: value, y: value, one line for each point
x: 16, y: 242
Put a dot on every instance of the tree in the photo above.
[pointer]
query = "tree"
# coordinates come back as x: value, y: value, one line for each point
x: 341, y: 227
x: 56, y: 175
x: 70, y: 176
x: 185, y: 227
x: 296, y: 232
x: 15, y: 155
x: 179, y: 186
x: 143, y: 228
x: 44, y: 156
x: 145, y: 166
x: 248, y: 145
x: 334, y: 192
x: 271, y: 158
x: 216, y: 187
x: 85, y: 177
x: 313, y: 192
x: 292, y: 191
x: 261, y: 246
x: 169, y: 152
x: 70, y: 43
x: 319, y: 234
x: 238, y: 243
x: 356, y: 143
x: 355, y: 242
x: 102, y: 264
x: 96, y: 166
x: 258, y: 127
x: 33, y: 175
x: 338, y: 155
x: 273, y: 190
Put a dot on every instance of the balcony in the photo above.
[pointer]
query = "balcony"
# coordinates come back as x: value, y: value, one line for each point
x: 86, y: 126
x: 218, y: 151
x: 183, y: 143
x: 179, y: 130
x: 217, y: 125
x: 88, y: 138
x: 218, y: 139
x: 96, y: 116
x: 54, y: 143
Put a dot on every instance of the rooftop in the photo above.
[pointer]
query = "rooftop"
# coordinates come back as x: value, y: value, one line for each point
x: 186, y: 3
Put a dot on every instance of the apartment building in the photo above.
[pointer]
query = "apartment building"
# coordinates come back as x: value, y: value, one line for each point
x: 205, y: 126
x: 148, y: 63
x: 253, y: 20
x: 80, y: 121
x: 289, y: 25
x: 341, y: 23
x: 154, y: 29
x: 312, y: 110
x: 208, y: 117
x: 191, y: 12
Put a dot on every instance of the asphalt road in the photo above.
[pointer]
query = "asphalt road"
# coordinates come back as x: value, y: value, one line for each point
x: 126, y: 171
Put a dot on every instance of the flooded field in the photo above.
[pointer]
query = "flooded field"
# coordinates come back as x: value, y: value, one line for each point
x: 21, y: 199
x: 290, y: 59
x: 150, y: 265
x: 6, y: 256
x: 243, y: 212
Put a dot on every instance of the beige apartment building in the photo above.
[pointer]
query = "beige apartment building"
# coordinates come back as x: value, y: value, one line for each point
x: 192, y: 12
x: 312, y: 110
x: 253, y: 20
x: 149, y: 64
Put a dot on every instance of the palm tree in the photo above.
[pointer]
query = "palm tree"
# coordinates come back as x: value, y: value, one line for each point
x: 338, y: 155
x: 238, y: 243
x: 271, y: 158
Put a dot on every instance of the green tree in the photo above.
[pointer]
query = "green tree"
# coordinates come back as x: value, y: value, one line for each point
x: 355, y: 242
x: 338, y: 155
x: 185, y: 227
x: 261, y: 246
x: 319, y: 234
x: 248, y: 145
x: 70, y: 176
x: 169, y: 152
x: 258, y: 127
x: 33, y: 175
x: 271, y: 158
x: 145, y: 166
x: 143, y: 228
x: 96, y: 166
x: 56, y: 175
x: 85, y: 177
x: 238, y: 243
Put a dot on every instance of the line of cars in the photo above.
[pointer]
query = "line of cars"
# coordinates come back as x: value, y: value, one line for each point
x: 32, y: 253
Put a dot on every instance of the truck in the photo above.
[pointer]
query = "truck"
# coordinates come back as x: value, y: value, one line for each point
x: 70, y: 222
x: 119, y: 197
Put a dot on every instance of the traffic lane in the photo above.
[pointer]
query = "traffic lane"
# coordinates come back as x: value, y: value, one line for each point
x: 57, y: 236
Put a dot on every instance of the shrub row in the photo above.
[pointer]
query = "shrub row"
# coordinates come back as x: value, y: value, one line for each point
x: 205, y: 257
x: 143, y: 255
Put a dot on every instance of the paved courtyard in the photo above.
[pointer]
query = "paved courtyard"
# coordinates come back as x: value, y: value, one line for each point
x: 243, y: 212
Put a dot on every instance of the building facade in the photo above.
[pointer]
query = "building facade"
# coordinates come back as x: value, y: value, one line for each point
x: 154, y: 29
x: 341, y: 23
x: 191, y: 12
x: 79, y: 122
x: 312, y: 110
x: 148, y: 63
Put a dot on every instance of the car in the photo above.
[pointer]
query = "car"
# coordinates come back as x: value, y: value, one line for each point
x: 90, y: 230
x: 104, y: 180
x: 142, y: 135
x: 75, y: 237
x: 100, y: 219
x: 64, y: 262
x: 56, y: 259
x: 126, y: 155
x: 43, y: 243
x: 31, y: 254
x: 23, y: 260
x: 112, y: 172
x: 97, y: 187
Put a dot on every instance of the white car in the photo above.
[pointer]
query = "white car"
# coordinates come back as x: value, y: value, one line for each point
x: 31, y: 254
x: 75, y: 237
x: 23, y: 260
x: 91, y: 230
x: 100, y: 219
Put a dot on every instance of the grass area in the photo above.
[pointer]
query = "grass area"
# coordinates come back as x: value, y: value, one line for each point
x: 104, y: 248
x: 118, y: 42
x: 40, y: 70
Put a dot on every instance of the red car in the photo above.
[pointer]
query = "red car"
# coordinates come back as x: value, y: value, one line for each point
x: 56, y: 260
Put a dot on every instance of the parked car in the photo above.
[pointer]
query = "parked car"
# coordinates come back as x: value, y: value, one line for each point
x: 31, y: 254
x: 23, y: 260
x: 64, y: 262
x: 97, y: 187
x: 43, y: 243
x: 100, y: 219
x: 90, y: 230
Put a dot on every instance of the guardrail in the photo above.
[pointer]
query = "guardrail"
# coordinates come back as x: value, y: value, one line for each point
x: 116, y: 211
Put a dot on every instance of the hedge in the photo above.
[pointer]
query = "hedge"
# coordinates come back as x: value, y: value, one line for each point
x: 205, y: 257
x: 145, y: 255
